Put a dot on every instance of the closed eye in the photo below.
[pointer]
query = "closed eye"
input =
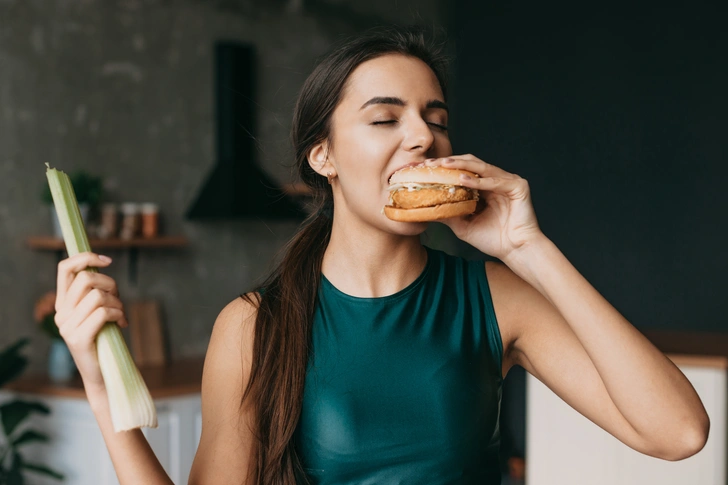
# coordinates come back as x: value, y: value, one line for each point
x: 388, y: 122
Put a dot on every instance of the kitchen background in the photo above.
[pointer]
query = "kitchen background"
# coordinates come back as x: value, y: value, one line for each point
x: 615, y: 114
x: 124, y: 90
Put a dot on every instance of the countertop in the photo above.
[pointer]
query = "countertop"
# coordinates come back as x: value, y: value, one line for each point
x: 701, y: 349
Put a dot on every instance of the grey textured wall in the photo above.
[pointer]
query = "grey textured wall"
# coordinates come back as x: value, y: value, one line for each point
x: 124, y: 89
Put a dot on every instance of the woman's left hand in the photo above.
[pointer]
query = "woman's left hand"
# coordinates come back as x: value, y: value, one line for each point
x: 505, y: 220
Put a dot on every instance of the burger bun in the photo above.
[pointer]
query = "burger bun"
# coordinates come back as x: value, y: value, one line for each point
x: 433, y: 213
x: 429, y: 175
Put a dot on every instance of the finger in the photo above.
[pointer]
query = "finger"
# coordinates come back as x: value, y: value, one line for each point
x: 90, y: 303
x: 84, y: 335
x: 514, y: 188
x: 84, y: 282
x: 70, y: 267
x: 473, y: 164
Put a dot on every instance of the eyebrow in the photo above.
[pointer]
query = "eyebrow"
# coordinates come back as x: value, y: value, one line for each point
x: 435, y: 103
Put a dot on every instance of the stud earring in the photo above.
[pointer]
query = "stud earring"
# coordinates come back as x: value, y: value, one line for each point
x: 330, y: 177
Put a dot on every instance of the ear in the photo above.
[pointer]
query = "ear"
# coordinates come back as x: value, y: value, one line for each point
x: 318, y: 159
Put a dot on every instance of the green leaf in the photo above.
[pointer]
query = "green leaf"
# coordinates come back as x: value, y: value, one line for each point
x: 29, y: 436
x: 12, y: 363
x: 14, y: 476
x: 88, y: 188
x: 14, y: 412
x: 43, y: 470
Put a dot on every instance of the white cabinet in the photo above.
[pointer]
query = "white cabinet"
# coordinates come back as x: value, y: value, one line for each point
x: 565, y: 448
x: 77, y: 448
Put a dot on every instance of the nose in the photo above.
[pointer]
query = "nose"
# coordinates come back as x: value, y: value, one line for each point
x: 419, y: 136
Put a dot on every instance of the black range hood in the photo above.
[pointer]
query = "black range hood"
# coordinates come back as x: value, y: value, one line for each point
x: 237, y: 187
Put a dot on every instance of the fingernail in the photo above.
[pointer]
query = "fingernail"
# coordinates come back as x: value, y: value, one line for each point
x: 465, y: 177
x: 448, y: 160
x: 105, y: 259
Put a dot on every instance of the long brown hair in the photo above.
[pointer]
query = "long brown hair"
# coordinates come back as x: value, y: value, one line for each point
x: 288, y: 296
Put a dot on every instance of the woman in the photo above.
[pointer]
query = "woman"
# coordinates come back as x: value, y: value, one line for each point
x: 368, y: 358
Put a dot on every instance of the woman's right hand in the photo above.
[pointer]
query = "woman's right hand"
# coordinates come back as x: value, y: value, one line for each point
x: 85, y: 301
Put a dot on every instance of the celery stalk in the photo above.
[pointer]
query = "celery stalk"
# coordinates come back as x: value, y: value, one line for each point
x: 130, y: 403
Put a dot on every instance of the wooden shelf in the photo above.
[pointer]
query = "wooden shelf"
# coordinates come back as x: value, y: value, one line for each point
x: 50, y: 243
x: 170, y: 380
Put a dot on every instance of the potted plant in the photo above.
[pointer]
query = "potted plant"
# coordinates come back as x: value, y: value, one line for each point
x: 61, y: 367
x: 89, y: 190
x: 13, y: 435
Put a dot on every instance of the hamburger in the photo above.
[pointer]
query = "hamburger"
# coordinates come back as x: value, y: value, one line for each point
x: 420, y: 193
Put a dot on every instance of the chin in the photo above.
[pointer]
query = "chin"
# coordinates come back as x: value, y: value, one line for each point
x: 405, y: 228
x: 411, y: 228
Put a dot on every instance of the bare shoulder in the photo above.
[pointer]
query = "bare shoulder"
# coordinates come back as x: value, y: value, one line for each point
x: 223, y: 455
x: 510, y: 293
x: 237, y: 314
x: 230, y: 350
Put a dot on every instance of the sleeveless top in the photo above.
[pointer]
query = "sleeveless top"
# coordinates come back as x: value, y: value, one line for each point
x: 406, y: 388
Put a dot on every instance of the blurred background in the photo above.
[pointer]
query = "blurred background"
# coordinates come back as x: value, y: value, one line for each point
x: 615, y: 114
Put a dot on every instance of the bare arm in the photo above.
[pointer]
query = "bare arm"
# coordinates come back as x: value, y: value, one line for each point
x: 84, y: 303
x: 133, y: 458
x: 223, y: 456
x: 569, y: 337
x: 566, y: 334
x: 223, y: 453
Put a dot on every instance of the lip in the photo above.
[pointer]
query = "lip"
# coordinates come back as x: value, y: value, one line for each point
x: 411, y: 164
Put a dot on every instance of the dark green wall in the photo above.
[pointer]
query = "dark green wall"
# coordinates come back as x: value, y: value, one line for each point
x: 619, y: 121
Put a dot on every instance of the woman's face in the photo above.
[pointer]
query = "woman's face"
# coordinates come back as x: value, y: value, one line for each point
x: 392, y: 114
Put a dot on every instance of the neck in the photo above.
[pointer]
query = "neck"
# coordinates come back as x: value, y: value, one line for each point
x: 368, y: 263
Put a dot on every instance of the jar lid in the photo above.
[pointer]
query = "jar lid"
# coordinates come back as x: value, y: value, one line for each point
x: 130, y: 208
x: 149, y: 208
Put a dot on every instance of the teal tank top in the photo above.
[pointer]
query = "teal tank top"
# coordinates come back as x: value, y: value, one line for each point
x: 406, y: 388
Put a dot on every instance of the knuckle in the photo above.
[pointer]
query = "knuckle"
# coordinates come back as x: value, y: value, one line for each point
x: 97, y: 295
x: 84, y: 277
x: 99, y: 313
x: 111, y: 314
x: 66, y: 335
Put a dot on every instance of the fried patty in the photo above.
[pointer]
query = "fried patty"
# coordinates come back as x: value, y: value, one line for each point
x: 405, y: 199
